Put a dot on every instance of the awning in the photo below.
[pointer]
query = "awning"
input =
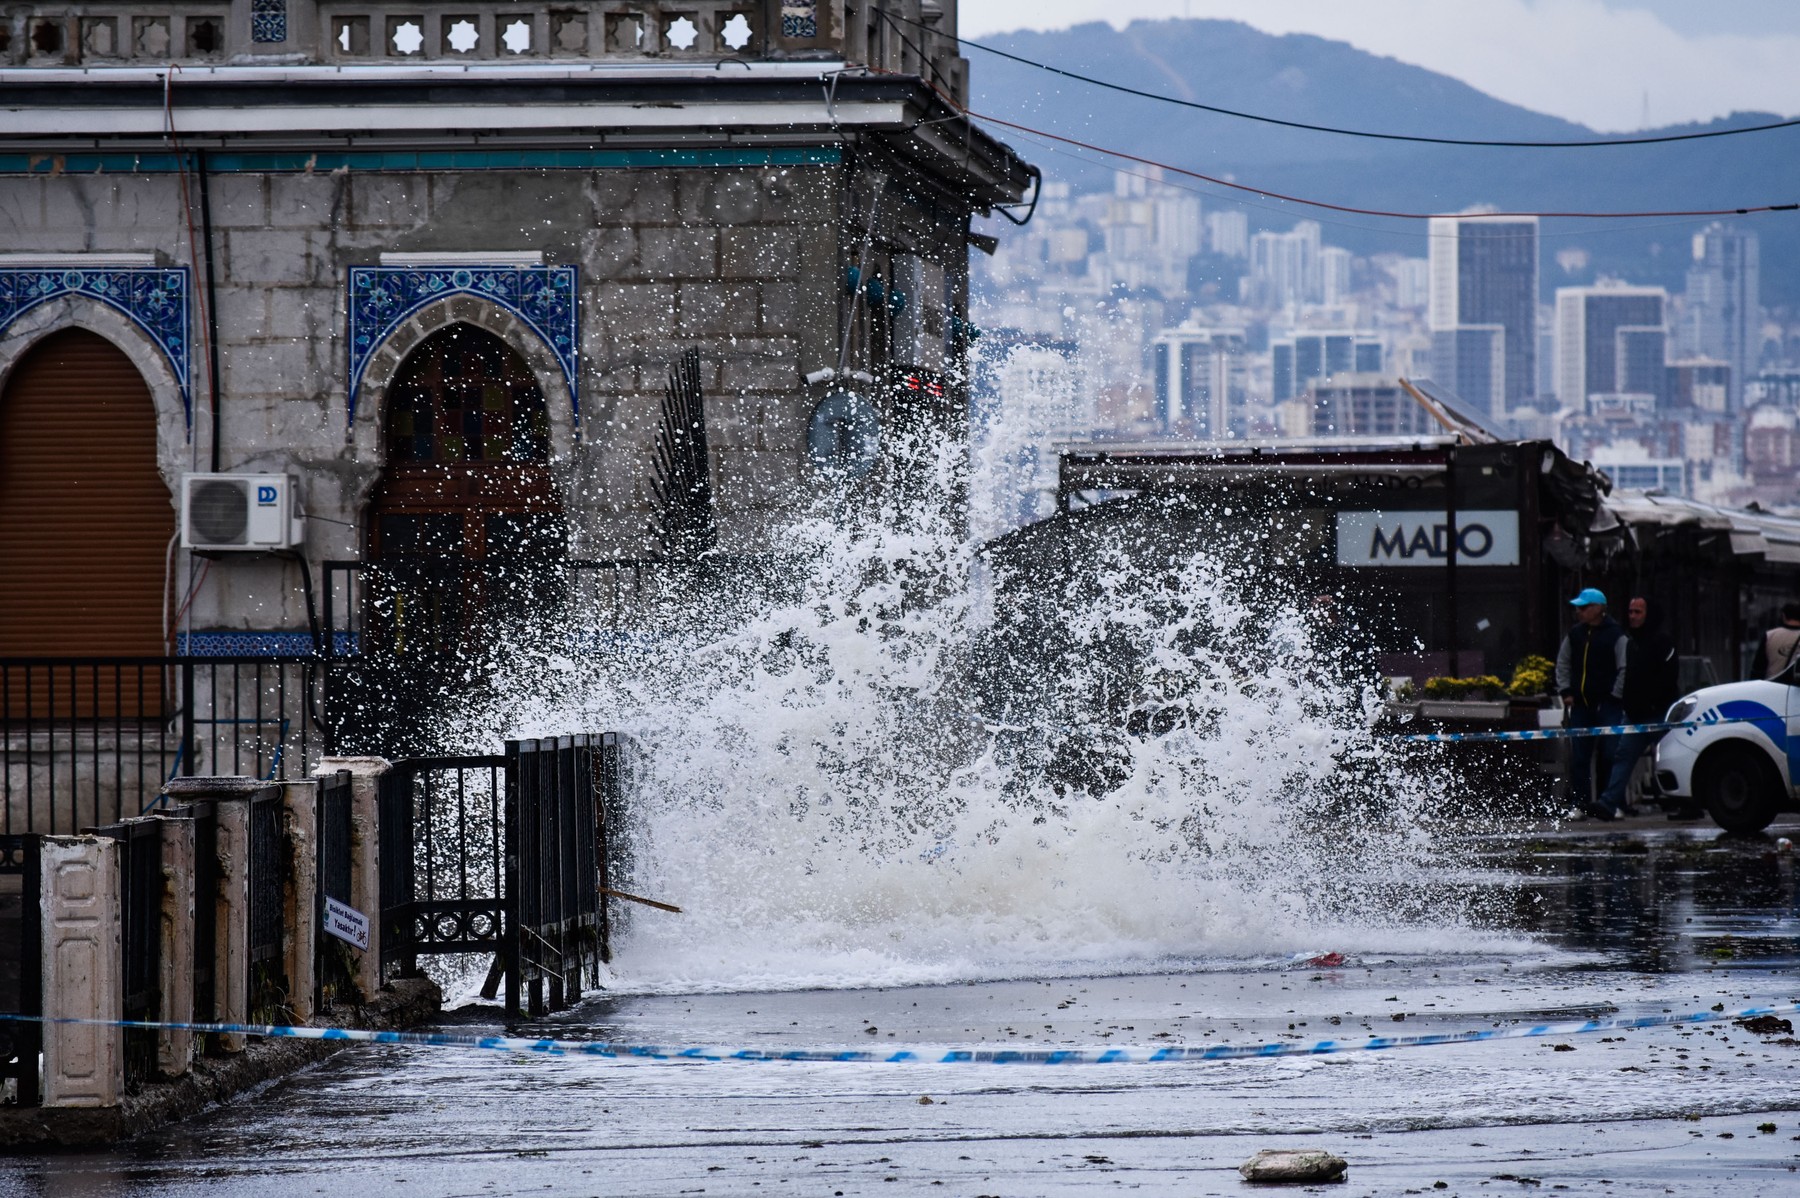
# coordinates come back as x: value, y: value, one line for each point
x: 1749, y: 544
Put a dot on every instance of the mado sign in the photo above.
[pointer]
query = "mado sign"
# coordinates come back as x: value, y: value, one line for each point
x: 1423, y: 538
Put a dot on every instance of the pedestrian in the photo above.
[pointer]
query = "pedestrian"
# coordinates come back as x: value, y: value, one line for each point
x: 1590, y: 676
x: 1776, y: 652
x: 1652, y: 684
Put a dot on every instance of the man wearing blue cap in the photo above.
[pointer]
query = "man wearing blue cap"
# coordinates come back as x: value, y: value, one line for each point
x: 1590, y: 674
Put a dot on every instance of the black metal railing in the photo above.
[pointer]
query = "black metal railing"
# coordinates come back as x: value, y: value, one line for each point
x: 89, y: 741
x: 553, y: 870
x: 141, y: 887
x: 335, y: 977
x: 443, y: 849
x: 507, y: 855
x: 394, y: 861
x: 402, y: 637
x: 616, y: 763
x: 21, y: 956
x: 206, y: 903
x: 268, y: 873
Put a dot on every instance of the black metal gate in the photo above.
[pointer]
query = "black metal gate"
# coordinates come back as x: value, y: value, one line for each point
x: 141, y: 902
x: 267, y: 1001
x: 21, y: 960
x: 443, y: 870
x: 333, y: 971
x: 508, y: 854
x: 557, y: 934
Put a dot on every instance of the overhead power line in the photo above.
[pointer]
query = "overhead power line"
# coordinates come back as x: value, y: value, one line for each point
x: 1330, y: 222
x: 1270, y: 193
x: 1376, y: 135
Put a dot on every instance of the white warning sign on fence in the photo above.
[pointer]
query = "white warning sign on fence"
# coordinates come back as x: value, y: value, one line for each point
x: 346, y: 923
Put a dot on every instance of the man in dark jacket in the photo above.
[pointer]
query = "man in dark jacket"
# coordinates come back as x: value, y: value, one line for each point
x: 1590, y: 675
x: 1775, y: 652
x: 1652, y: 683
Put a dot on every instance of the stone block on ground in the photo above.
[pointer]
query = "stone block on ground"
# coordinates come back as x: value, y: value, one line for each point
x: 1294, y: 1166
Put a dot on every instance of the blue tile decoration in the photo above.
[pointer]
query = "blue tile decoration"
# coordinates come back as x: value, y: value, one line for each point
x: 155, y: 299
x: 268, y: 20
x: 799, y: 18
x: 259, y: 644
x: 544, y: 297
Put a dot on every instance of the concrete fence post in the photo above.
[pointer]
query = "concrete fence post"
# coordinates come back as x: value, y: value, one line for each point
x: 365, y: 857
x: 175, y: 983
x: 231, y: 926
x: 230, y: 799
x: 83, y: 967
x: 300, y: 895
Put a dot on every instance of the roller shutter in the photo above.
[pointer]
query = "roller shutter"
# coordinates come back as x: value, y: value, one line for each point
x: 85, y: 518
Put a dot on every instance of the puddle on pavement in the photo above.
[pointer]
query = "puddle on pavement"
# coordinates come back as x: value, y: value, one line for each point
x: 1638, y: 922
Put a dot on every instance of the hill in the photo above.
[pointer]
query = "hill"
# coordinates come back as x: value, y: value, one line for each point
x: 1304, y: 78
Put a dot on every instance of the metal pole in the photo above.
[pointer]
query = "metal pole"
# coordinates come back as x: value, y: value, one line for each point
x: 1455, y: 639
x: 186, y: 749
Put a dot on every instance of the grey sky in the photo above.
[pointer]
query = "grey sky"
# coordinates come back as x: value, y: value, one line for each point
x: 1611, y: 64
x: 1729, y: 16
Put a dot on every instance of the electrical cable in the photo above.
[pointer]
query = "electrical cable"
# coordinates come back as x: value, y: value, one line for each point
x: 1542, y: 234
x: 205, y: 297
x: 168, y: 594
x: 1585, y: 144
x: 193, y: 591
x: 1269, y: 193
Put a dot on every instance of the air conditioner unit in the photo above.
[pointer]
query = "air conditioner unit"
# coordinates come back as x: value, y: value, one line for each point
x: 240, y: 512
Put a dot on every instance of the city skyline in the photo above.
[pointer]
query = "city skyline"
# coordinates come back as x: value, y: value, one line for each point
x: 1693, y: 390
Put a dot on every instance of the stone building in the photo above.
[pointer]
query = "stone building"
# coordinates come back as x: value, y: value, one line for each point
x: 434, y: 262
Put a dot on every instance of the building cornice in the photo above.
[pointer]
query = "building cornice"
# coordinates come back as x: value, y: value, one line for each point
x: 423, y: 107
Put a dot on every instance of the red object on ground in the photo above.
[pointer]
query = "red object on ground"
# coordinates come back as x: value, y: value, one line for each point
x: 1326, y: 960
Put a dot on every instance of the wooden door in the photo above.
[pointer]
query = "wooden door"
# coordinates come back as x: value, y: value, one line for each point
x: 466, y: 519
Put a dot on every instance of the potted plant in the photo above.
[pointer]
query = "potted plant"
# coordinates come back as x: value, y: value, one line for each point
x: 1482, y: 697
x: 1531, y: 680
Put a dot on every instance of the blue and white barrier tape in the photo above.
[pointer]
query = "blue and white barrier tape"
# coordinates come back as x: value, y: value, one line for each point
x: 929, y: 1056
x: 1452, y: 738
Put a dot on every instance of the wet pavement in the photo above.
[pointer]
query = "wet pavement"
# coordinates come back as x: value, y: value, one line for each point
x: 1586, y: 920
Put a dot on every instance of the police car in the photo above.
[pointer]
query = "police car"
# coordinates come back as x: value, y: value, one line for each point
x: 1741, y: 759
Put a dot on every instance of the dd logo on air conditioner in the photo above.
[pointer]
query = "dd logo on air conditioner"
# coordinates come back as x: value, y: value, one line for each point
x: 265, y: 495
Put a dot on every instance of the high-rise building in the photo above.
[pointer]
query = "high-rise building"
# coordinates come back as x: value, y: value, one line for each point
x: 1700, y: 384
x: 1228, y: 233
x: 1723, y: 309
x: 1611, y: 339
x: 1483, y: 308
x: 1334, y: 274
x: 1284, y: 267
x: 1357, y: 404
x: 1641, y: 473
x: 1412, y: 281
x: 1175, y: 224
x: 1201, y: 385
x: 1303, y: 358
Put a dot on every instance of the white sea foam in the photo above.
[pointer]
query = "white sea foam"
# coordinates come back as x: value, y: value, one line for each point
x: 874, y: 779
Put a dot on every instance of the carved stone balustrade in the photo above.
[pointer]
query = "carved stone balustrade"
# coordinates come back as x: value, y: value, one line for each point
x: 894, y: 35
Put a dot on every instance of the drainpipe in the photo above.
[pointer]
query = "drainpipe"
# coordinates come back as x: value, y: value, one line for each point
x: 212, y: 303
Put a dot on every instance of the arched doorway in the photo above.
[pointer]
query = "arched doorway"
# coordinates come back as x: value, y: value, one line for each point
x: 85, y: 517
x: 465, y: 524
x: 467, y: 451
